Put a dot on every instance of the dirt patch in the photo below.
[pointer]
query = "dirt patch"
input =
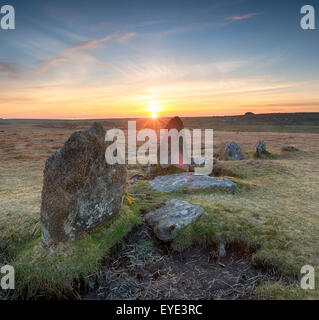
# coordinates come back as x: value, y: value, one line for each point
x: 144, y: 268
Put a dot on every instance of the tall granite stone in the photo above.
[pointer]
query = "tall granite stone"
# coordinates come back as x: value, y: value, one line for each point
x: 261, y: 148
x: 175, y: 123
x: 80, y: 190
x: 230, y: 151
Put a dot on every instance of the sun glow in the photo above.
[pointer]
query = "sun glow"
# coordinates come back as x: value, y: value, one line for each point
x: 154, y: 108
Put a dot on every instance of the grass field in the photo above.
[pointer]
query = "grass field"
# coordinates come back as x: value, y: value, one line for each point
x: 274, y: 210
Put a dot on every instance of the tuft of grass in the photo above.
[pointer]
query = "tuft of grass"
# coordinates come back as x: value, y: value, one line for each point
x: 128, y: 199
x: 222, y: 169
x: 280, y: 291
x: 266, y: 155
x: 157, y: 170
x: 54, y: 273
x: 289, y: 149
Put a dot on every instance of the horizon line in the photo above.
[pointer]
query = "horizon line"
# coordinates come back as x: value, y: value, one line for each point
x: 121, y: 118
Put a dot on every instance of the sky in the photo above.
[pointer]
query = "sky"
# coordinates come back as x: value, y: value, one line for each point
x: 118, y: 59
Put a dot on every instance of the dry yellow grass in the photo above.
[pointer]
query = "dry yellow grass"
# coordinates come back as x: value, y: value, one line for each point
x: 278, y: 208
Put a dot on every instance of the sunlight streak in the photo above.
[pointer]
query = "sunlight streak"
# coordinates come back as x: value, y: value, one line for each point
x: 154, y: 108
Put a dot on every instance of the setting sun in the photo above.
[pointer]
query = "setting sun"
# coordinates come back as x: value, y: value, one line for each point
x: 154, y: 108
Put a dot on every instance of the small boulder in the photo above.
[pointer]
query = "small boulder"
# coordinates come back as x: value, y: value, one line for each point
x: 166, y: 221
x: 135, y: 178
x: 261, y: 148
x: 190, y: 181
x: 230, y: 151
x: 200, y: 162
x: 289, y: 149
x: 221, y: 250
x: 80, y: 190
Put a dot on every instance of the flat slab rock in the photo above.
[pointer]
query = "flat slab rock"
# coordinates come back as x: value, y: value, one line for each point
x: 169, y: 219
x: 189, y: 181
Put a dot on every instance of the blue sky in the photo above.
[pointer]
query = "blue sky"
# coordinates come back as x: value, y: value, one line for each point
x: 87, y: 59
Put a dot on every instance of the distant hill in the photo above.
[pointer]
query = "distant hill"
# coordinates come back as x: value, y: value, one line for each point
x: 268, y: 122
x: 291, y: 122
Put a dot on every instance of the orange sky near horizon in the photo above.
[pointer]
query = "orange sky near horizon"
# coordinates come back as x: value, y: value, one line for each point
x: 58, y: 105
x: 164, y: 98
x: 57, y: 112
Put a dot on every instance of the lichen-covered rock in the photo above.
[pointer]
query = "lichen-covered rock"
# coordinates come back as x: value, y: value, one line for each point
x: 80, y: 190
x: 261, y: 148
x: 230, y: 151
x: 169, y: 219
x: 189, y: 181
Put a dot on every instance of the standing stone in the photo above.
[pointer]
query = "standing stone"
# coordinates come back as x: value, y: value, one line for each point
x: 261, y: 148
x: 80, y: 190
x: 230, y: 151
x: 175, y: 123
x: 169, y: 219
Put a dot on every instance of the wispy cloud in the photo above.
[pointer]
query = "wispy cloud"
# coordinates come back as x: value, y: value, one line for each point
x: 127, y: 37
x: 50, y: 62
x: 72, y: 50
x: 242, y: 17
x: 90, y: 44
x: 11, y: 70
x: 202, y: 25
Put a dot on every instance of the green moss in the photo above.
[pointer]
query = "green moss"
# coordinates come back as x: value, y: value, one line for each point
x: 40, y: 271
